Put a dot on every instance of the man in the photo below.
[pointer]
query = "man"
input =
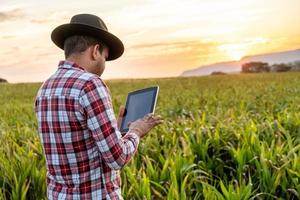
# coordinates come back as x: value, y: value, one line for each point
x: 80, y: 135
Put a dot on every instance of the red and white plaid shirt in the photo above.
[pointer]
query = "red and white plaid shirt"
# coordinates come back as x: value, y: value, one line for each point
x: 83, y: 146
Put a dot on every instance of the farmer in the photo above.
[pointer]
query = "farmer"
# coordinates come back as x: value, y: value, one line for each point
x: 83, y: 146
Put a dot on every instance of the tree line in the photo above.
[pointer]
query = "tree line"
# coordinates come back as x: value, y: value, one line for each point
x: 3, y: 80
x: 258, y: 67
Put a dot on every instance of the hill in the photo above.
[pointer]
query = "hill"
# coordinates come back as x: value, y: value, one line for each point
x: 235, y: 66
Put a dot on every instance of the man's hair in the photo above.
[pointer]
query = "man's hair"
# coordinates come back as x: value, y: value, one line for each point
x: 79, y: 43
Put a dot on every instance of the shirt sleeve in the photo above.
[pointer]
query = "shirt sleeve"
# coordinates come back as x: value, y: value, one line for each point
x: 115, y: 149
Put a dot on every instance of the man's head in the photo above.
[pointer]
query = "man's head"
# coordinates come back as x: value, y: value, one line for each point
x: 86, y: 37
x: 87, y: 51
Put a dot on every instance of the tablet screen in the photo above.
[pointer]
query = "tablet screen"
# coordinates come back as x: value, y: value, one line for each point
x: 138, y: 104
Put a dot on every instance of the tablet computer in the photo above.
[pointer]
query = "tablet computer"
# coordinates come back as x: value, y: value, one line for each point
x: 138, y: 104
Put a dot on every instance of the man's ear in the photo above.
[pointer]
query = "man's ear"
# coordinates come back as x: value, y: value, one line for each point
x: 95, y: 51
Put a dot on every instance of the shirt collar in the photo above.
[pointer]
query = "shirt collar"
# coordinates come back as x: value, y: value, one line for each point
x: 66, y: 64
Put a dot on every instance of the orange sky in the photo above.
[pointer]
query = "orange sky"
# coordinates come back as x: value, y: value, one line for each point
x: 161, y: 38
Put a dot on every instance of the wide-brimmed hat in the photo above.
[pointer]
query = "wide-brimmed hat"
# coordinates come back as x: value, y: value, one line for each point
x: 88, y: 25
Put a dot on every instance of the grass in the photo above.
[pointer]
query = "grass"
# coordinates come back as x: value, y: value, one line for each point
x: 224, y: 137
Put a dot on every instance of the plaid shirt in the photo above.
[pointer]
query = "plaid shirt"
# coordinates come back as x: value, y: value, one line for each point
x: 83, y: 146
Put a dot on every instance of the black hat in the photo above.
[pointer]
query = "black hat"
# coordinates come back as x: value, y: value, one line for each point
x: 90, y: 25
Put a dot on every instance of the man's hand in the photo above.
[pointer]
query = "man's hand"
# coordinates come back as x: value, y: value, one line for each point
x: 144, y: 125
x: 120, y: 116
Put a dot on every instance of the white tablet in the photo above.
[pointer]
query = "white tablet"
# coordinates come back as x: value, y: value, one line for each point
x: 138, y: 104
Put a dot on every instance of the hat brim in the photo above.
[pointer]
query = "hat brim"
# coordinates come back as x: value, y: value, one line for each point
x: 114, y: 44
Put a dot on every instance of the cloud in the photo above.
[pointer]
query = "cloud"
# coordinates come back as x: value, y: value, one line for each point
x: 11, y: 15
x: 190, y: 48
x: 8, y: 36
x: 53, y: 17
x: 40, y: 21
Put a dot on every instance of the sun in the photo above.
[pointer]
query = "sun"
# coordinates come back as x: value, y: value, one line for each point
x: 233, y: 51
x: 235, y: 55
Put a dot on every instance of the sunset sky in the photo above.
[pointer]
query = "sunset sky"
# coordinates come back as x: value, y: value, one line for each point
x: 162, y: 38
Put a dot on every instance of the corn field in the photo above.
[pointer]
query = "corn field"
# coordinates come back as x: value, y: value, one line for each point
x: 230, y: 137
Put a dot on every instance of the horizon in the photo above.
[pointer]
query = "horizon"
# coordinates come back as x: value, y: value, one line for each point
x: 159, y: 43
x: 180, y: 75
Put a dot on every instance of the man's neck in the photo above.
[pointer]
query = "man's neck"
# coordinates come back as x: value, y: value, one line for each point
x: 79, y: 60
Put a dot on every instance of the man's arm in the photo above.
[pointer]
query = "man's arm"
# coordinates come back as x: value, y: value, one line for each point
x: 115, y: 150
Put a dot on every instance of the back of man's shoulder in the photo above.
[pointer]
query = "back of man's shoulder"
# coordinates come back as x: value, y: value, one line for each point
x: 69, y: 83
x: 89, y: 78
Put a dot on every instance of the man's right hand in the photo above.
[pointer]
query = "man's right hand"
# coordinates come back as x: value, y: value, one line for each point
x: 144, y: 125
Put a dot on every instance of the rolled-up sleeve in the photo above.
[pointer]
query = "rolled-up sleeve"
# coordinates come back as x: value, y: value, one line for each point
x: 97, y: 105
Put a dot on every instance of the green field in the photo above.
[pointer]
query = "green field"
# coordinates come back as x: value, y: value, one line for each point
x: 224, y: 137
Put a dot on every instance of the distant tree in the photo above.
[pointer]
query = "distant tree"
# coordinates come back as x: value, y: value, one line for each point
x: 3, y: 80
x: 282, y: 67
x: 218, y: 73
x: 255, y: 67
x: 295, y: 66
